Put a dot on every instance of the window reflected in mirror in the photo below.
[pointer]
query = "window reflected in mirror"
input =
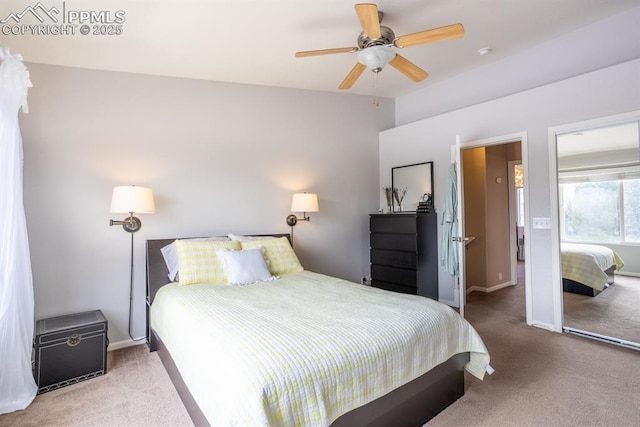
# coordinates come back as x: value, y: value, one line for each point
x: 599, y: 185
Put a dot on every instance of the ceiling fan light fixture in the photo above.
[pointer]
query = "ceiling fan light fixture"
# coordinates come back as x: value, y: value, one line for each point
x: 376, y: 57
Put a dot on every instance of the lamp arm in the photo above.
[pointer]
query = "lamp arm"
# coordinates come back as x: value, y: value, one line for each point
x: 292, y: 220
x: 131, y: 224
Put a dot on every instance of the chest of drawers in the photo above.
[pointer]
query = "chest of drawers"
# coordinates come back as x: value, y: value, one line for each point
x: 404, y: 253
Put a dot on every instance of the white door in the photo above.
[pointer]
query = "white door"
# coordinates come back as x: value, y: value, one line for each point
x: 459, y: 238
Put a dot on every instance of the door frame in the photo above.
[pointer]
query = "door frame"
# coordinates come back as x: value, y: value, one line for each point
x: 498, y: 140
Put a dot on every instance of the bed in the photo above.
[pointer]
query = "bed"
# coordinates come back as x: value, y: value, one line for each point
x: 588, y: 269
x: 307, y: 350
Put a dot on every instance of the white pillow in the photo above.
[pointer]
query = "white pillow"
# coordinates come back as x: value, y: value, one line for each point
x: 170, y: 254
x: 243, y: 267
x: 243, y: 238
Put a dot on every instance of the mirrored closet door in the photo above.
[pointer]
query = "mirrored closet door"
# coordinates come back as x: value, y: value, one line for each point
x: 599, y: 230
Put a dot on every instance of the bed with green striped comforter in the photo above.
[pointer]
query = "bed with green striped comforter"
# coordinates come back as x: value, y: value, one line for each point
x: 586, y: 264
x: 304, y: 349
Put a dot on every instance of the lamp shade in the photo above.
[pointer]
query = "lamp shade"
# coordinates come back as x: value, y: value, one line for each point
x: 304, y: 202
x: 129, y: 198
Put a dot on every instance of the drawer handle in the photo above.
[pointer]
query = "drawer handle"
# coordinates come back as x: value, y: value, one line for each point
x: 74, y: 340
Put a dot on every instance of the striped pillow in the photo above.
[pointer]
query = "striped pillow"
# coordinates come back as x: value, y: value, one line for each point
x: 198, y: 261
x: 279, y: 254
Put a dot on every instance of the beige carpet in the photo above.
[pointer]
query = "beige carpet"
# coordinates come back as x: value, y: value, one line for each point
x: 136, y: 391
x: 541, y: 379
x: 615, y: 312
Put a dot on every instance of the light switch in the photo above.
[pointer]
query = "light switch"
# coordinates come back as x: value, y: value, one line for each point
x: 541, y: 222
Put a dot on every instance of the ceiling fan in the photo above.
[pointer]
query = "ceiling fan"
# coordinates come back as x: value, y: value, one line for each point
x: 376, y: 46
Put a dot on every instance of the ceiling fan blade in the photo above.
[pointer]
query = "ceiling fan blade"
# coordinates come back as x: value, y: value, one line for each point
x: 408, y: 68
x: 353, y: 75
x: 325, y: 51
x: 434, y: 35
x: 368, y: 16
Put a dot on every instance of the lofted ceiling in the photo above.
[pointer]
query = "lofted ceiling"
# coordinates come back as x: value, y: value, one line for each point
x: 254, y: 41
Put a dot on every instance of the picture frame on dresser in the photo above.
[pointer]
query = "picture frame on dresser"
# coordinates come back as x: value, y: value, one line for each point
x: 417, y: 179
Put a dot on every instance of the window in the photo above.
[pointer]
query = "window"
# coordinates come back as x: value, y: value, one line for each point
x: 518, y: 177
x: 599, y: 183
x: 601, y: 211
x: 631, y: 196
x: 520, y: 206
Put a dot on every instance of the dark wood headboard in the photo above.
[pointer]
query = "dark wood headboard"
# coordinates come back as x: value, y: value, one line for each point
x: 158, y: 273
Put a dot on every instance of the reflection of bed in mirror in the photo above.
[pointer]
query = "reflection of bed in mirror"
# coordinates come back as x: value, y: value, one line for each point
x: 588, y: 269
x: 284, y: 352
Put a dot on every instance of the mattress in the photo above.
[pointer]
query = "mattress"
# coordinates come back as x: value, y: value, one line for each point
x: 304, y: 349
x: 586, y: 264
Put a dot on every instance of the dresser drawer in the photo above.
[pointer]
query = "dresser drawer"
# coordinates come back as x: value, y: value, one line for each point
x: 393, y: 287
x: 393, y: 223
x: 394, y: 258
x: 400, y: 276
x: 402, y: 242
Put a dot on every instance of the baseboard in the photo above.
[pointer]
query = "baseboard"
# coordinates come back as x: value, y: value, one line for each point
x: 124, y: 344
x: 627, y: 273
x: 544, y: 326
x: 491, y: 289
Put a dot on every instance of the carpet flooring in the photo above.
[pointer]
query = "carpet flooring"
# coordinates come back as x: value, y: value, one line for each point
x: 615, y: 312
x: 135, y: 392
x: 541, y: 379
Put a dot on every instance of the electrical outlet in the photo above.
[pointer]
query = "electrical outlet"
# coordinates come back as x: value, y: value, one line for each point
x: 500, y: 276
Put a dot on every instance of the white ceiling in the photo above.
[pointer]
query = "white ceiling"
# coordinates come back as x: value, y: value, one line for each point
x: 254, y: 41
x: 621, y: 137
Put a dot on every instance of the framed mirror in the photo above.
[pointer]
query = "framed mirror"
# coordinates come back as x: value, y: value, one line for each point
x: 598, y: 176
x: 411, y: 184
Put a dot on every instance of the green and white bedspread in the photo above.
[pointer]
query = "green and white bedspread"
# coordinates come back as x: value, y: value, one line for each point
x: 586, y: 263
x: 304, y: 349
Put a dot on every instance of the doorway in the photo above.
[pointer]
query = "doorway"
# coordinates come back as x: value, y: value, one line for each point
x: 490, y: 216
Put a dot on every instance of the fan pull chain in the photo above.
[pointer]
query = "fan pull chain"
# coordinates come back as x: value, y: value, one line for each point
x: 374, y: 101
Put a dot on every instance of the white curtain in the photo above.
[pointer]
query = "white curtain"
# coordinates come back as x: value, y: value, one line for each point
x: 17, y: 386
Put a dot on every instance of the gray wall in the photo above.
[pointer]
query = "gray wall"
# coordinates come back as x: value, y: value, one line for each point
x: 601, y: 71
x: 220, y: 158
x: 605, y: 43
x: 609, y: 91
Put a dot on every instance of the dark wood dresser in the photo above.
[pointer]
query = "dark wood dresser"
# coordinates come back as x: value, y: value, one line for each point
x: 404, y: 253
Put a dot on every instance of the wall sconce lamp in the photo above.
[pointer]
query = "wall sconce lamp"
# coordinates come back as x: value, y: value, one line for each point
x: 131, y: 199
x: 302, y: 202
